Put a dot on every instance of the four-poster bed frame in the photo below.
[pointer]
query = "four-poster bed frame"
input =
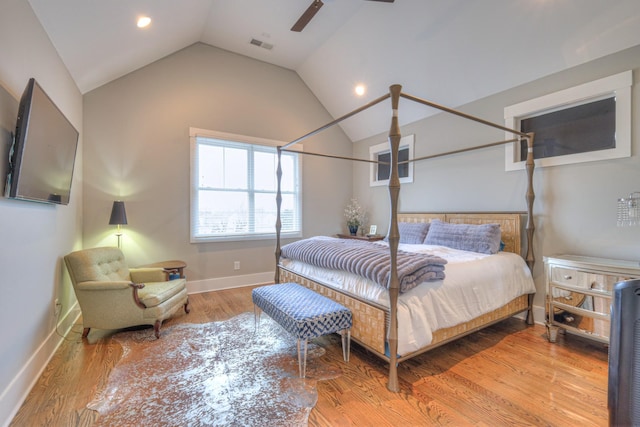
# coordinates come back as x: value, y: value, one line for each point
x: 513, y: 307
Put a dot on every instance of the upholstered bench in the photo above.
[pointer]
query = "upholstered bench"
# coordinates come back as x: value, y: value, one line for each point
x: 305, y: 314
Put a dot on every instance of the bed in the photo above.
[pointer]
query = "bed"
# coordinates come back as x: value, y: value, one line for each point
x: 381, y: 323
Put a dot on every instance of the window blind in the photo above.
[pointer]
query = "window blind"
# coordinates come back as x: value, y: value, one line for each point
x: 234, y: 187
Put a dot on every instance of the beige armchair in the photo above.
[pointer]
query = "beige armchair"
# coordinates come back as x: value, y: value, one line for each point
x: 112, y: 296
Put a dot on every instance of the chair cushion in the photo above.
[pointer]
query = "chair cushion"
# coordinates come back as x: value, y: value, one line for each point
x: 155, y: 293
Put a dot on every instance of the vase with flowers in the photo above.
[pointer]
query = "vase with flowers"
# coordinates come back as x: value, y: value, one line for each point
x: 355, y: 215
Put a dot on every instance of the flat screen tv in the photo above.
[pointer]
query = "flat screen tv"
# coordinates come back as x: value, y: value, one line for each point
x: 43, y: 154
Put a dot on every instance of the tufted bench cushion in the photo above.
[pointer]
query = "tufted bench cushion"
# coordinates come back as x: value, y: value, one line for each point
x: 305, y: 314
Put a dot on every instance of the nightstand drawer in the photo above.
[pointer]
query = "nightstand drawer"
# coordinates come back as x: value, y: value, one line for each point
x: 567, y: 276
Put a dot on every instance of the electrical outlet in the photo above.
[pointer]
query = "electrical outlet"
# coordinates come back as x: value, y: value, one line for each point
x: 56, y: 307
x: 236, y: 265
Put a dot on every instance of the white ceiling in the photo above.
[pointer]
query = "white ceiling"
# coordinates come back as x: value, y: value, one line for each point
x: 449, y: 51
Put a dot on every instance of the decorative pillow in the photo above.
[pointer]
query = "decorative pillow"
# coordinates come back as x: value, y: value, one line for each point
x: 412, y: 233
x: 483, y: 238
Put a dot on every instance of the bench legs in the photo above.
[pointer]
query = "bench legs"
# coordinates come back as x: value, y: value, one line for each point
x: 346, y: 343
x: 256, y: 317
x: 302, y: 343
x: 302, y: 352
x: 302, y: 358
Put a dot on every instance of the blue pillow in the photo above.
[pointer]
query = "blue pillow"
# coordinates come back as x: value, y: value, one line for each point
x: 483, y: 238
x: 412, y: 233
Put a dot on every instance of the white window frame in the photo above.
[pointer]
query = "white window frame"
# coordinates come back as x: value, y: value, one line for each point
x: 618, y: 86
x: 406, y: 142
x: 194, y: 133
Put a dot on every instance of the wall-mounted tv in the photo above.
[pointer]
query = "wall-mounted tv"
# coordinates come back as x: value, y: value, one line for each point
x: 43, y: 154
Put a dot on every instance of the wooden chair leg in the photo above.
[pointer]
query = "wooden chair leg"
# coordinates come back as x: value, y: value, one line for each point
x: 156, y: 328
x: 85, y: 332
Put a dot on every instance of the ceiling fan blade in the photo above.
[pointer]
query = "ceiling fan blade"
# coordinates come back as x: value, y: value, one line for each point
x: 307, y: 15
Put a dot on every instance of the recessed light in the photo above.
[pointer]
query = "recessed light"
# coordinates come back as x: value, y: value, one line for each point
x: 360, y: 90
x: 143, y: 21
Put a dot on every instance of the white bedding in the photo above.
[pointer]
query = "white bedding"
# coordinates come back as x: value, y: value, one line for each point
x: 475, y: 284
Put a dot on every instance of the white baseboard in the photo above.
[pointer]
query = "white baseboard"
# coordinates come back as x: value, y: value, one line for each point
x: 18, y: 389
x: 220, y: 283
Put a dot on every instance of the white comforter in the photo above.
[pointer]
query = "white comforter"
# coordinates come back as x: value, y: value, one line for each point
x: 475, y: 284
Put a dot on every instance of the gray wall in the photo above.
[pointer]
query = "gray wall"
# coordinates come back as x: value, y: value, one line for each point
x: 575, y: 205
x: 134, y: 146
x: 34, y: 236
x: 137, y: 150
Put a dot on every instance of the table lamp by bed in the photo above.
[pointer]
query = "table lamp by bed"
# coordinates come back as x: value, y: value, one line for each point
x: 118, y: 217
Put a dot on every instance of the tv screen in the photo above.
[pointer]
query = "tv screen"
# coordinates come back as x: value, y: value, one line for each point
x: 44, y: 150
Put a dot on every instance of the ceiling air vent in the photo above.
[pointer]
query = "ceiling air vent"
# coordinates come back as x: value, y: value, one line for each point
x: 261, y: 44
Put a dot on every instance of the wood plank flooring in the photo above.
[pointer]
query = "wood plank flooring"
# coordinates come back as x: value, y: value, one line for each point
x: 505, y: 375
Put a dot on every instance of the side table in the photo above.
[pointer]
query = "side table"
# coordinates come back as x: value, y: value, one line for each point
x: 170, y: 267
x: 373, y: 238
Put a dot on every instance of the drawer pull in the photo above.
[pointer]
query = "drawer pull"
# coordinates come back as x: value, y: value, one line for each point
x: 567, y: 277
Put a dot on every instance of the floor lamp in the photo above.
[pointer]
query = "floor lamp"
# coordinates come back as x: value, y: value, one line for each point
x: 118, y: 217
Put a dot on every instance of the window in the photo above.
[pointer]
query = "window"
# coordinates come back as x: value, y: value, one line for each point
x: 233, y: 188
x: 581, y: 124
x: 579, y: 129
x: 381, y: 153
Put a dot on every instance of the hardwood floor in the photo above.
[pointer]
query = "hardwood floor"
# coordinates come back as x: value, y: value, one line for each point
x: 507, y: 374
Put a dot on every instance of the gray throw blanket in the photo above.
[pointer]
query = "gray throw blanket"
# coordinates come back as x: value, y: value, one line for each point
x: 366, y: 259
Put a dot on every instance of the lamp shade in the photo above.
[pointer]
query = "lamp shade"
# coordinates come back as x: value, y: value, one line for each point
x: 118, y: 214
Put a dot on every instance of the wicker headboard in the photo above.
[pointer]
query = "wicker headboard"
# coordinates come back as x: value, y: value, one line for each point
x: 509, y: 223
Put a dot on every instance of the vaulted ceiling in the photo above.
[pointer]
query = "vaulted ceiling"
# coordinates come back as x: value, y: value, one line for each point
x: 448, y: 51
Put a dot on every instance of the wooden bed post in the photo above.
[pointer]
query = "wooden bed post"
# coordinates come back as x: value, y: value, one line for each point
x: 394, y: 239
x: 278, y: 220
x: 530, y: 258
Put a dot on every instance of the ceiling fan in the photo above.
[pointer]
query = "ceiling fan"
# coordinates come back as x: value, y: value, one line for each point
x: 311, y: 12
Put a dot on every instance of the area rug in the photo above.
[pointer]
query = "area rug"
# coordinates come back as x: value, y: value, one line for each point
x: 214, y: 374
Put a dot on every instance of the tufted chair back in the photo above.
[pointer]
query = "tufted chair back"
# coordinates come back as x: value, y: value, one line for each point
x: 98, y: 264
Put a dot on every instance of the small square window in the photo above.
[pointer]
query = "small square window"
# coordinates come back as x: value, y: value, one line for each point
x: 381, y: 154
